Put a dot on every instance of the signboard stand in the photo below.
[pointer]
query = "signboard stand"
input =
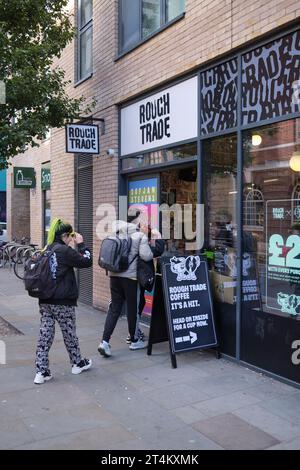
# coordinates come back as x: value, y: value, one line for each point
x: 182, y: 311
x: 158, y: 326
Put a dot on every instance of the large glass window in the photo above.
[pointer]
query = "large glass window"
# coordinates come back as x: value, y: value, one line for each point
x: 271, y: 247
x: 174, y: 8
x: 130, y: 23
x: 151, y: 16
x: 159, y: 157
x: 85, y: 38
x: 220, y: 198
x: 139, y: 19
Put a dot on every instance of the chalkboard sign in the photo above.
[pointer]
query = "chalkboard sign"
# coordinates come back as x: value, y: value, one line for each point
x: 188, y: 304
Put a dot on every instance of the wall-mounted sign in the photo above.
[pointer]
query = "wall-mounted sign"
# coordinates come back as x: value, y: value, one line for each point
x: 45, y: 179
x: 24, y: 177
x: 165, y: 118
x: 82, y: 138
x: 283, y: 256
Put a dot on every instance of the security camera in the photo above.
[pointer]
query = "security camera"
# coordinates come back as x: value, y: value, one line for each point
x: 110, y: 152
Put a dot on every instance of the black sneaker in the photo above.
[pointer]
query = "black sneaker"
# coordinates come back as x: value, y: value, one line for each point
x: 141, y: 336
x: 83, y: 365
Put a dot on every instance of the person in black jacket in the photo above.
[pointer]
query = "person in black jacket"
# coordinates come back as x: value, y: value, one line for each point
x: 61, y: 307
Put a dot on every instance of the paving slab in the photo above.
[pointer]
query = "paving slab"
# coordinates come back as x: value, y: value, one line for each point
x: 233, y: 433
x: 131, y: 400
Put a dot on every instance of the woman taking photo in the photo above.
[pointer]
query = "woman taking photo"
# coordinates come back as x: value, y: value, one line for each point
x: 61, y: 306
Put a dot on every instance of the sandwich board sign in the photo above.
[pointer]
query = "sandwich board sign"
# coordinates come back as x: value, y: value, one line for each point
x: 82, y: 138
x: 187, y: 305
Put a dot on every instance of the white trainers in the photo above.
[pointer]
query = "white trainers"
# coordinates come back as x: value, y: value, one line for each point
x: 104, y: 349
x: 83, y: 365
x: 42, y: 377
x: 139, y: 344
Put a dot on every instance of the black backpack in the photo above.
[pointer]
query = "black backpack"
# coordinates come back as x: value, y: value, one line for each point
x: 146, y: 274
x: 114, y: 254
x: 40, y: 275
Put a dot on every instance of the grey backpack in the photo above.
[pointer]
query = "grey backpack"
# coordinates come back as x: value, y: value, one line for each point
x: 114, y: 254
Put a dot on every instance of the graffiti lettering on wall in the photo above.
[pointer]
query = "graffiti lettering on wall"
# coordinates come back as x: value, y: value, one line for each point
x: 219, y: 98
x: 268, y: 80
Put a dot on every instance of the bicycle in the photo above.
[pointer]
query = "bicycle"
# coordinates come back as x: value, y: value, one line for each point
x: 23, y: 255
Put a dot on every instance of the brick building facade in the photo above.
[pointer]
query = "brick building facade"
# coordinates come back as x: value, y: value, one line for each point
x: 207, y: 32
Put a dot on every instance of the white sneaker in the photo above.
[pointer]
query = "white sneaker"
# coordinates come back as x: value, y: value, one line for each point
x: 42, y: 377
x: 139, y: 344
x: 83, y: 365
x: 104, y: 349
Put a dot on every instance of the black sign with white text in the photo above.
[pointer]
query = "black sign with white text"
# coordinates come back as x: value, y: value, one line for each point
x: 82, y: 138
x: 188, y: 303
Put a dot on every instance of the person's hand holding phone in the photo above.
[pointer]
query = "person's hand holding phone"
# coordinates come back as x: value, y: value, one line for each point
x: 78, y: 238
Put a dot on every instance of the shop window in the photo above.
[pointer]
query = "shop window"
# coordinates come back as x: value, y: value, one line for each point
x: 253, y: 208
x: 271, y: 255
x: 265, y: 72
x: 46, y: 213
x: 296, y: 204
x: 160, y: 157
x: 85, y: 39
x: 140, y: 19
x: 220, y: 197
x: 219, y: 98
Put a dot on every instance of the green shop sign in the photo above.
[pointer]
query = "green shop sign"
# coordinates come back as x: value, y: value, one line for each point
x: 46, y: 179
x: 24, y: 178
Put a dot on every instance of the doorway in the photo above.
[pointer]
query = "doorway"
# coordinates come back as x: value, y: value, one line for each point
x: 220, y: 194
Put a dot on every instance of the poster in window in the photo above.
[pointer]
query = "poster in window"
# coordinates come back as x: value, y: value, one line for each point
x: 283, y: 256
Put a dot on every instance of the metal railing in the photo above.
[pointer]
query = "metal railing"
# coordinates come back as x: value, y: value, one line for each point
x: 15, y: 255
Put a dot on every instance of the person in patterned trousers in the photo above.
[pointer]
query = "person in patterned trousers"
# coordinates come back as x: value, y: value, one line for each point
x: 70, y: 252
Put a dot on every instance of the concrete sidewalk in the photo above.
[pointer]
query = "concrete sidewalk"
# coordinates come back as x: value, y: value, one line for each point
x: 132, y: 401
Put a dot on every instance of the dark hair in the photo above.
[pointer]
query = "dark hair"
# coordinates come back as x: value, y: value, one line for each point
x: 131, y: 218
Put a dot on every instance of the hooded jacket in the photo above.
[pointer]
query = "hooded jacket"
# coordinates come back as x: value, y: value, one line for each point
x: 66, y: 292
x: 139, y: 247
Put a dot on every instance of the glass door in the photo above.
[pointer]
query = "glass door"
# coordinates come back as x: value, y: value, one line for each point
x: 220, y: 199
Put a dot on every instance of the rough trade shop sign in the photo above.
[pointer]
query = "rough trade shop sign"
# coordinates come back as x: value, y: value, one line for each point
x: 82, y: 138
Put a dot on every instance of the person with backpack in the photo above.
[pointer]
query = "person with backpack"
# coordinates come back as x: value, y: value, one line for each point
x: 146, y: 273
x: 58, y: 296
x: 124, y: 287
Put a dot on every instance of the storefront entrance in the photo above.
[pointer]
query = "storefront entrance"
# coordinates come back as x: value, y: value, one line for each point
x: 220, y: 196
x: 238, y: 153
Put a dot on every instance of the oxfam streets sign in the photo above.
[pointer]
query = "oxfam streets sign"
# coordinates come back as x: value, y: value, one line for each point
x: 162, y: 119
x: 82, y: 138
x: 24, y: 178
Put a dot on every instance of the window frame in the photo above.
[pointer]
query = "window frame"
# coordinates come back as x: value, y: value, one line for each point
x: 81, y: 30
x: 164, y: 24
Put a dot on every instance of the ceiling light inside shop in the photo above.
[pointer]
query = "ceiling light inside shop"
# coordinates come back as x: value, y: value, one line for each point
x: 256, y: 140
x: 295, y: 161
x: 271, y: 181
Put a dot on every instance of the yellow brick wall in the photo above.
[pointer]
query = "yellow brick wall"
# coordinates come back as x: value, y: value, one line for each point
x: 24, y: 206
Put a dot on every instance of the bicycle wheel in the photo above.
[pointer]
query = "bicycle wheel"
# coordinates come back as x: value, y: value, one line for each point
x: 19, y: 270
